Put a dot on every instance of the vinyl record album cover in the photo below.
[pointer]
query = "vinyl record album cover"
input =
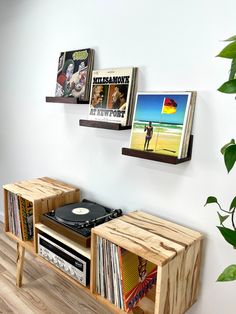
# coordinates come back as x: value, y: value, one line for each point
x: 74, y: 74
x: 111, y: 97
x: 162, y: 122
x: 138, y: 277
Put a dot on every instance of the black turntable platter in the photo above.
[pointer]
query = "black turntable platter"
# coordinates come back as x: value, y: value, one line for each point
x: 75, y: 221
x: 77, y: 213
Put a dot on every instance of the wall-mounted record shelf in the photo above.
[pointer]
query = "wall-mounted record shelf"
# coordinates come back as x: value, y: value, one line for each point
x: 103, y: 125
x: 66, y: 100
x: 159, y: 157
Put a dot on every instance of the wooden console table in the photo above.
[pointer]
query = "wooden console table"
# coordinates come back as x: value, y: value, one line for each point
x: 176, y: 250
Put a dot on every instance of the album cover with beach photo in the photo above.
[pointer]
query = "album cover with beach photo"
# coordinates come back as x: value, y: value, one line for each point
x: 162, y: 122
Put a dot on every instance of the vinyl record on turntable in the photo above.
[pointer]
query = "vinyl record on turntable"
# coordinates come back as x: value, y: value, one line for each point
x: 77, y: 213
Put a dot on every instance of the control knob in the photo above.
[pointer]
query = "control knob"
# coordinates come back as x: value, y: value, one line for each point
x: 60, y: 264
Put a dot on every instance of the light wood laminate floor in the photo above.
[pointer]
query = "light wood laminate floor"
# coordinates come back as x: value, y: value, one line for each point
x: 43, y: 290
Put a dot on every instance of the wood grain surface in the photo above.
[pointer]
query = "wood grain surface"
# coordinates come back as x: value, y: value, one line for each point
x: 175, y: 249
x: 46, y: 194
x: 40, y: 188
x: 43, y: 291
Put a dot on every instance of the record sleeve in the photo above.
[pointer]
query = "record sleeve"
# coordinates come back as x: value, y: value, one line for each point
x: 162, y: 122
x: 138, y: 277
x: 74, y: 74
x: 111, y: 96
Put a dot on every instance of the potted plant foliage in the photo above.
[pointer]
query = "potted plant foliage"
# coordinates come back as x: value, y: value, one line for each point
x: 229, y: 153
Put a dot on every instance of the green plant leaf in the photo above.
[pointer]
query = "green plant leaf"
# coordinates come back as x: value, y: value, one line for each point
x: 231, y: 38
x: 211, y: 199
x: 230, y: 156
x: 228, y: 274
x: 222, y: 218
x: 229, y: 51
x: 229, y: 235
x: 232, y: 69
x: 228, y: 87
x: 226, y: 145
x: 233, y: 203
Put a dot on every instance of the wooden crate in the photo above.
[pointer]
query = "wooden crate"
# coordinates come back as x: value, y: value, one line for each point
x: 46, y: 194
x: 175, y: 250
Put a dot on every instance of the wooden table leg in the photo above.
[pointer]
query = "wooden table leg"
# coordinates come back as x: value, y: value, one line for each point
x: 19, y: 264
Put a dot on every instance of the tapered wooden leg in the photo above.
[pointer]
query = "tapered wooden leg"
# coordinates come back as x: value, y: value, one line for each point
x: 19, y: 264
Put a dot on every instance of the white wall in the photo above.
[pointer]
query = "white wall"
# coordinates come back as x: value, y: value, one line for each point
x: 174, y: 44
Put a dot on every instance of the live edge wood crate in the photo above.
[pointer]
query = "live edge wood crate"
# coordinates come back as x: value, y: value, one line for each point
x: 46, y: 194
x: 175, y: 250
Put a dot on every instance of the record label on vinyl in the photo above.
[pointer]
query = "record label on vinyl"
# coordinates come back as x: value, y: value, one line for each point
x: 80, y: 211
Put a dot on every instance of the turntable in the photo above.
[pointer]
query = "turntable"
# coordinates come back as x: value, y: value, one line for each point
x: 76, y: 220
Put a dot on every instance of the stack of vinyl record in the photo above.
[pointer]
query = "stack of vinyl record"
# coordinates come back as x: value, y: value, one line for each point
x: 162, y: 122
x: 122, y: 277
x: 20, y: 216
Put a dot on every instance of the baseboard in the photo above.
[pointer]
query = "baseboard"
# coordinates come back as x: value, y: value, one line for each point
x: 1, y: 217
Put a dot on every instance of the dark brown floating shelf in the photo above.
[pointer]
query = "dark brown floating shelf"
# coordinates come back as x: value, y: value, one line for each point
x: 66, y: 100
x: 103, y: 125
x: 159, y: 157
